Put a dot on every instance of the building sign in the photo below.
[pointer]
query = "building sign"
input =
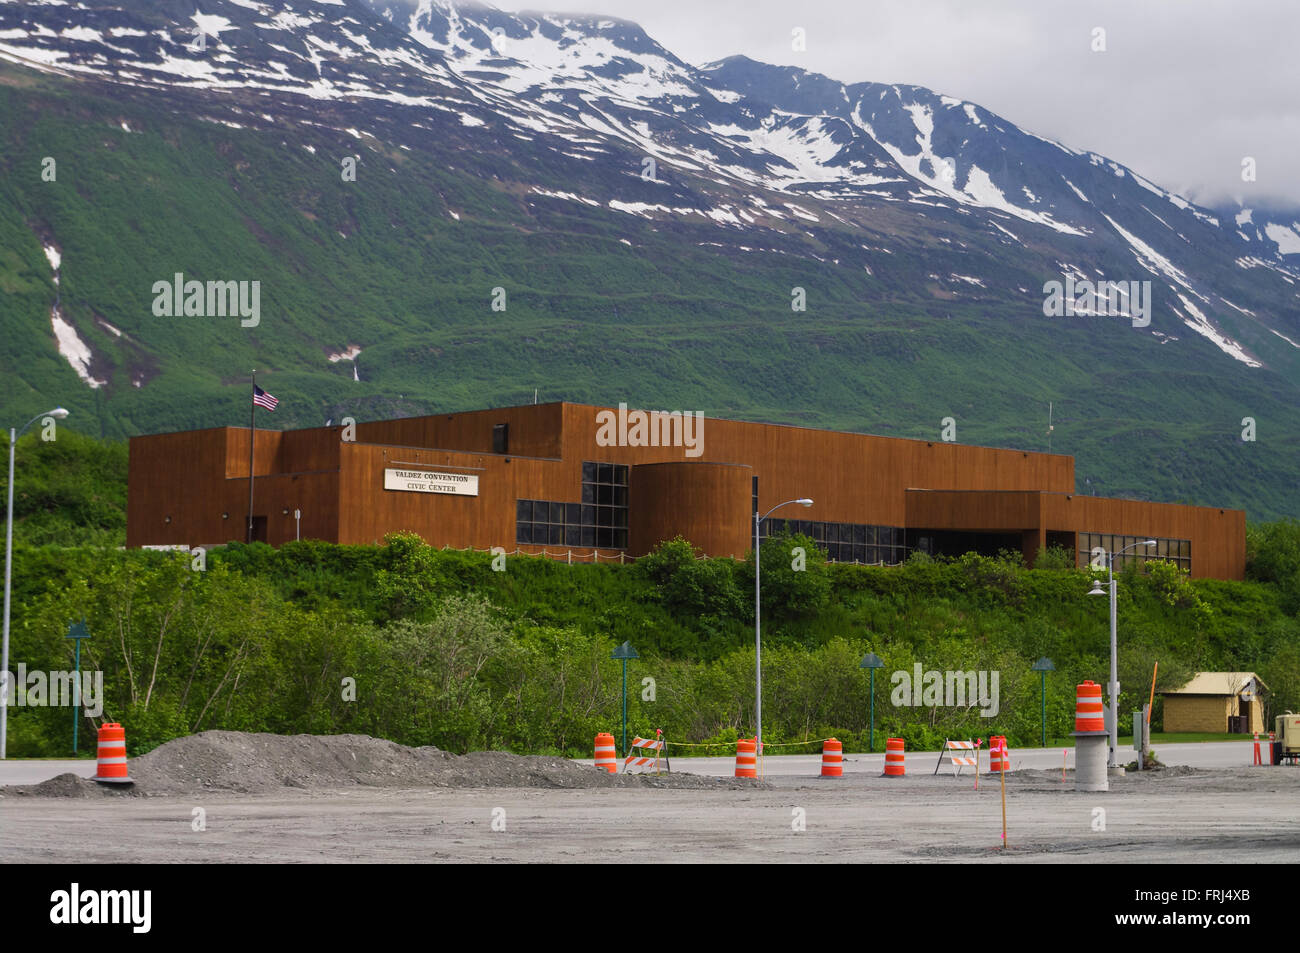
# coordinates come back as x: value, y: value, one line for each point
x: 431, y: 481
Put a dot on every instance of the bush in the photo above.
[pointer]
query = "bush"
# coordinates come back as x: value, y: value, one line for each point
x: 1273, y: 556
x: 1054, y: 557
x: 796, y: 583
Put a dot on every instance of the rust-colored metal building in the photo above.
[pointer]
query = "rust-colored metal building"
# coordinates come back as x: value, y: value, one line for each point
x: 575, y: 478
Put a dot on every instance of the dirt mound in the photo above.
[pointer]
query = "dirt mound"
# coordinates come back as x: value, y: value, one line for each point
x: 68, y: 785
x: 249, y: 763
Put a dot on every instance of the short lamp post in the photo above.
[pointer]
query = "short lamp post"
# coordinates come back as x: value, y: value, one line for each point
x: 1042, y: 667
x: 1114, y: 654
x: 58, y: 413
x: 624, y: 652
x: 77, y: 631
x: 871, y: 661
x: 758, y: 639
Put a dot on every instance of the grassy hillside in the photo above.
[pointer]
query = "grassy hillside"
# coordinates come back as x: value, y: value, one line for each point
x: 403, y: 263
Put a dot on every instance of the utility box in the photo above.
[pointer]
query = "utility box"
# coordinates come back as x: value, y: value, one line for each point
x: 1141, y: 730
x: 1287, y: 737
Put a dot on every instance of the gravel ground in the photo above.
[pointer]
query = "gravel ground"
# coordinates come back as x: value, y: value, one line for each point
x: 305, y: 799
x: 259, y: 763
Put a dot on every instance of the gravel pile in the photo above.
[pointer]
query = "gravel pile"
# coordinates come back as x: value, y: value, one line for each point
x: 256, y: 763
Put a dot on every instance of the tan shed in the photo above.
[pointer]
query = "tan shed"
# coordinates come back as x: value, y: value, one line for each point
x: 1217, y: 702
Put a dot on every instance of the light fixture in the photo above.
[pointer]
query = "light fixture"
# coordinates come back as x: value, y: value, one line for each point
x: 59, y: 412
x: 804, y: 502
x: 225, y: 516
x: 1096, y: 588
x: 167, y: 519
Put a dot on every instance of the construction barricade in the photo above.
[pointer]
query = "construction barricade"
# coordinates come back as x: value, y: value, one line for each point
x: 112, y: 755
x: 746, y: 758
x: 894, y: 765
x: 999, y: 756
x: 960, y: 754
x: 832, y: 759
x: 606, y: 756
x: 635, y: 763
x: 1087, y: 708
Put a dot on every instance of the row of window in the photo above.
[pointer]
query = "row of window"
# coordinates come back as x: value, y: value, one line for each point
x: 548, y: 523
x: 1097, y: 546
x: 845, y: 542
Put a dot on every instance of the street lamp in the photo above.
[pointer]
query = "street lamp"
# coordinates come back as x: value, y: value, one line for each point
x: 1042, y: 667
x: 758, y: 641
x: 1114, y: 657
x: 624, y: 652
x: 871, y: 661
x: 59, y: 413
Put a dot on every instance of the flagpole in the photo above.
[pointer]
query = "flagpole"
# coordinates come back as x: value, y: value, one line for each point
x: 252, y: 438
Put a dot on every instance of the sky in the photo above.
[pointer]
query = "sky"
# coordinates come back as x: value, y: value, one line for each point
x: 1183, y: 93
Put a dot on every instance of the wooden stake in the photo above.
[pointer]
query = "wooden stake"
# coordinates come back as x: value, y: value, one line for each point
x: 1152, y: 700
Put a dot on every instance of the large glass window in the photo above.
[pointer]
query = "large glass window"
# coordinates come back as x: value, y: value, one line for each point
x: 1177, y: 551
x: 845, y: 542
x: 599, y: 520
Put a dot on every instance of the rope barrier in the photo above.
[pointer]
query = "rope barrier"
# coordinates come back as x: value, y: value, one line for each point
x: 766, y: 744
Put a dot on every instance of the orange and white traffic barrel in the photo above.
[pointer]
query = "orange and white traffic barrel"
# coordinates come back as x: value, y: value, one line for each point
x: 999, y: 759
x: 112, y: 755
x: 832, y: 759
x: 894, y: 758
x: 746, y: 758
x: 1087, y: 708
x: 606, y: 759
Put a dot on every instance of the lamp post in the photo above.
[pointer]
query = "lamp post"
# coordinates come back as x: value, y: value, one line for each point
x: 1114, y: 655
x: 59, y: 413
x: 77, y: 631
x: 624, y: 652
x: 1042, y: 667
x: 758, y: 640
x: 871, y: 661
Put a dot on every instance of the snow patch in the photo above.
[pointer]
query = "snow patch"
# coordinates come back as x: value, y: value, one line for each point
x: 1202, y: 326
x: 349, y: 355
x: 74, y: 350
x: 1286, y: 239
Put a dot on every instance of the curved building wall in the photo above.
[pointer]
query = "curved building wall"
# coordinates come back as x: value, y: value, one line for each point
x: 706, y: 503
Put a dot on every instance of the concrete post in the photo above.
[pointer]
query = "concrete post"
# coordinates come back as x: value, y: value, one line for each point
x: 1091, y: 750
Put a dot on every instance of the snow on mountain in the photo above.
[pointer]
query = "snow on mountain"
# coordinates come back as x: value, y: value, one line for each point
x: 764, y: 153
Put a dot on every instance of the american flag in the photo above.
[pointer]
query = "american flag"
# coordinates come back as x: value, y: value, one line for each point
x: 263, y: 399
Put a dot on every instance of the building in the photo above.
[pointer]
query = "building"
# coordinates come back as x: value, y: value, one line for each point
x: 567, y: 477
x: 1217, y: 702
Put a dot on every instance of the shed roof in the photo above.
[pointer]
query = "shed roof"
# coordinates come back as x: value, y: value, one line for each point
x: 1218, y: 683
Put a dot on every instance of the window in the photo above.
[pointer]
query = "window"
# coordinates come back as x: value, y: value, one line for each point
x: 1176, y: 551
x: 845, y: 542
x: 599, y: 520
x: 500, y: 438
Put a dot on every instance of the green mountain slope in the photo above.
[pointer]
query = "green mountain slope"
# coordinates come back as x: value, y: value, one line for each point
x: 404, y: 261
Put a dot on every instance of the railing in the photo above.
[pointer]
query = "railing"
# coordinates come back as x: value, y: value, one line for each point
x: 595, y: 556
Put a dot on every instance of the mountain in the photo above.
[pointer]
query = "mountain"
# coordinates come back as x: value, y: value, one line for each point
x: 394, y: 174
